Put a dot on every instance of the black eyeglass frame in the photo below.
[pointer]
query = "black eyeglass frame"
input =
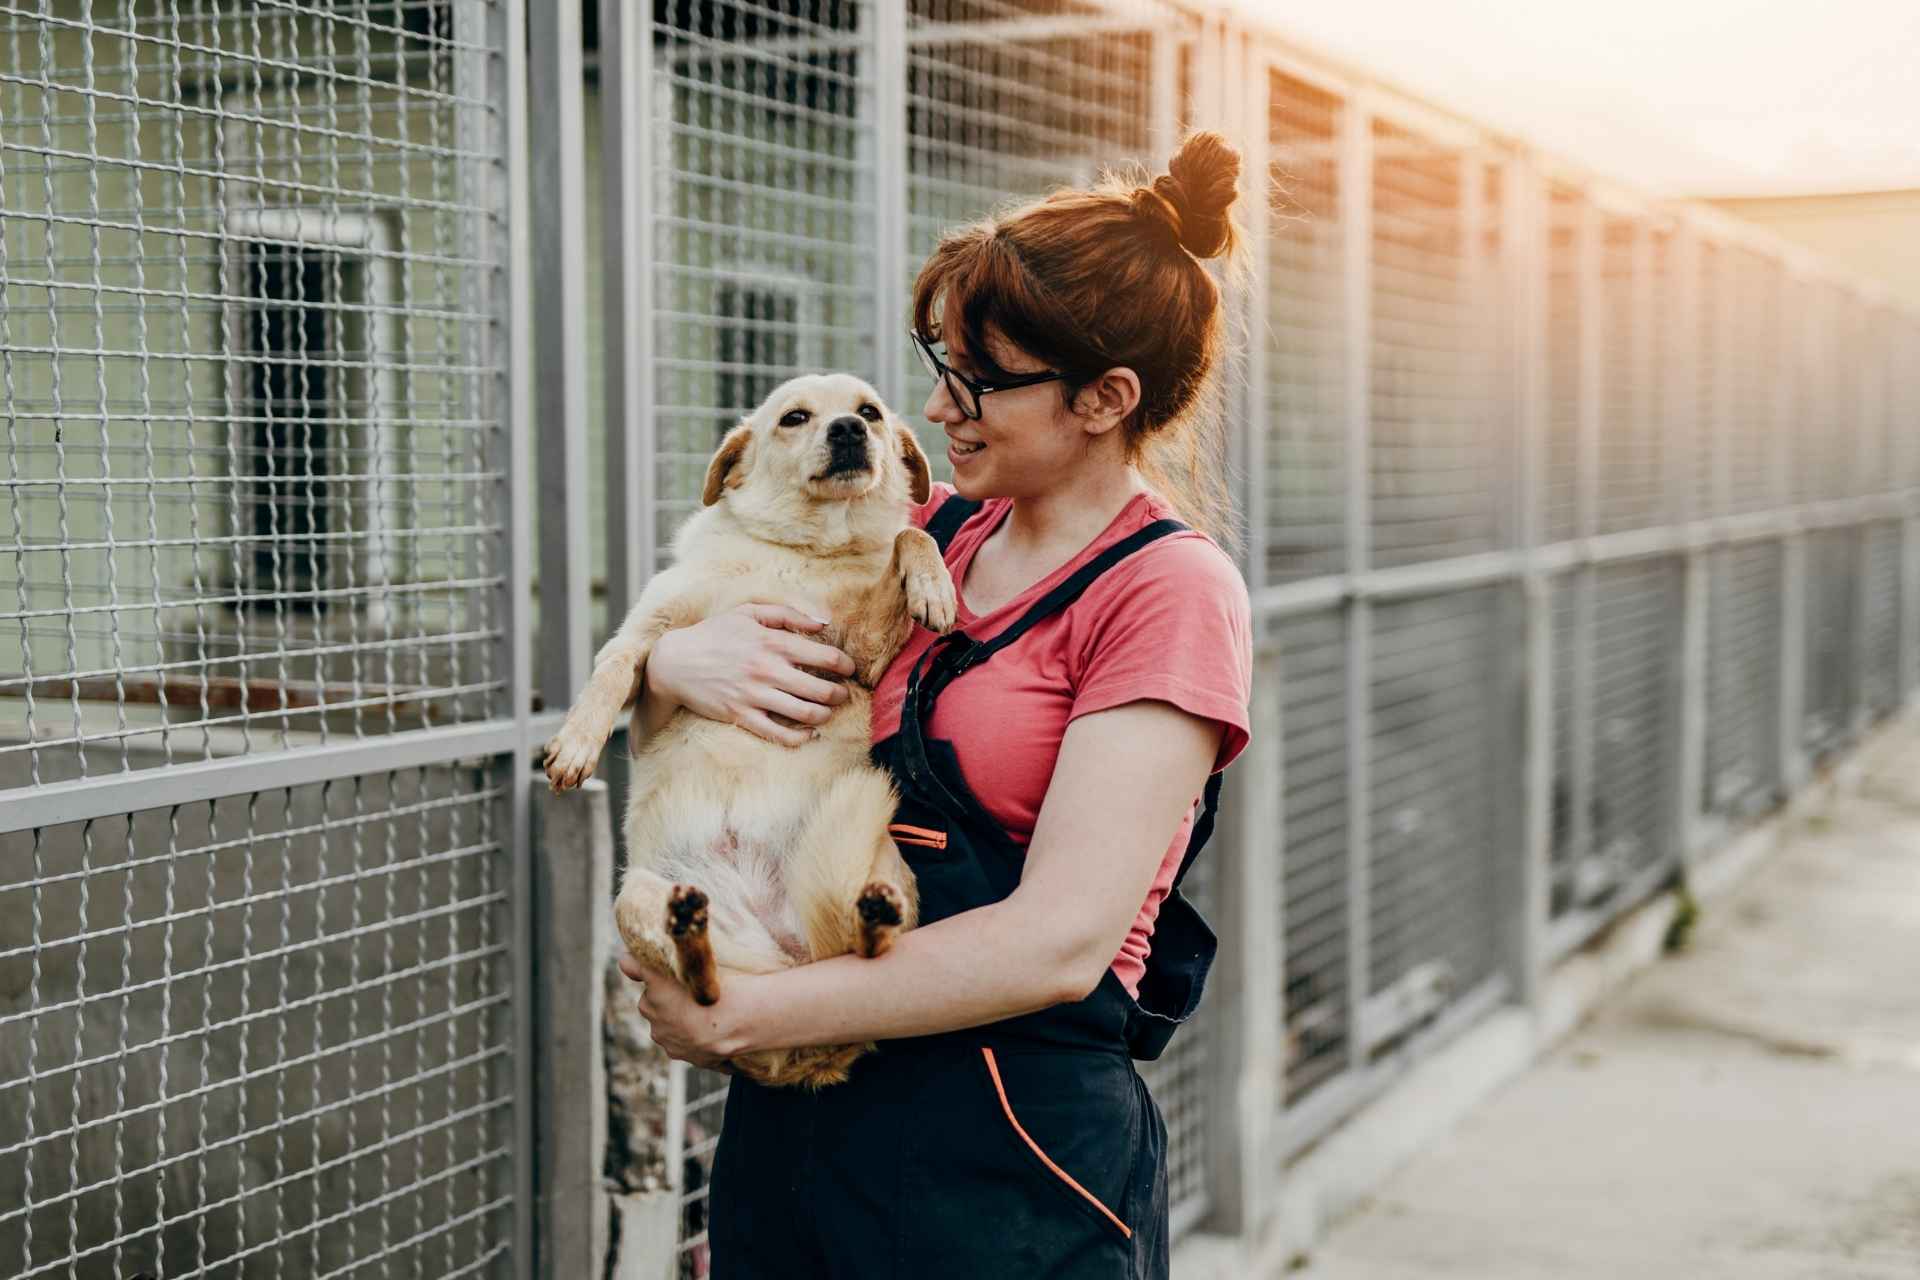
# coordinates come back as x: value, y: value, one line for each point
x: 955, y: 379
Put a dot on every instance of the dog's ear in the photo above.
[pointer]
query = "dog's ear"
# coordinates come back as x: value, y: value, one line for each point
x: 725, y: 470
x: 919, y: 474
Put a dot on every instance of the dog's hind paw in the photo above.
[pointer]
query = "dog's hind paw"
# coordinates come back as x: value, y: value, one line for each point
x: 881, y: 913
x: 686, y: 911
x: 687, y: 923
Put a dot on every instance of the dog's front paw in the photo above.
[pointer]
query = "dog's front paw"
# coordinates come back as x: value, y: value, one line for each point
x: 572, y: 757
x: 930, y: 596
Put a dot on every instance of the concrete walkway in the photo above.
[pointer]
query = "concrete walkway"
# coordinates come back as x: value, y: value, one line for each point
x: 1749, y: 1108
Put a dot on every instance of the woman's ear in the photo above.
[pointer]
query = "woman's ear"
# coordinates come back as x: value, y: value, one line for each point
x: 919, y: 474
x: 1108, y: 400
x: 729, y: 466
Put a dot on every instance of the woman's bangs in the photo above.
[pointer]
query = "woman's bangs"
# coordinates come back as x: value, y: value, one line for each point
x: 971, y: 287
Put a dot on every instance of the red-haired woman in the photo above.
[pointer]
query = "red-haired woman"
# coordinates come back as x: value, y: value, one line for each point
x: 1052, y: 762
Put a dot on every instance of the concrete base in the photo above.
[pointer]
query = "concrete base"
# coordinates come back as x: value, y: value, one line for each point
x: 1571, y: 1134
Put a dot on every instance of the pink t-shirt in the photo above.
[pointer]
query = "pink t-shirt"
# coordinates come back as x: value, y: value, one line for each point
x: 1169, y: 623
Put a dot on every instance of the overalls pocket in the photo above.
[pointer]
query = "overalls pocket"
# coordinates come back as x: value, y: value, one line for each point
x: 1024, y: 1162
x: 1069, y: 1142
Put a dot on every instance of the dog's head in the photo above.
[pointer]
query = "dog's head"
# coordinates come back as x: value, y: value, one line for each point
x: 819, y: 441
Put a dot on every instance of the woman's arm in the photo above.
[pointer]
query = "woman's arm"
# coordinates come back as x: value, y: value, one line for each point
x: 1124, y: 781
x: 742, y: 666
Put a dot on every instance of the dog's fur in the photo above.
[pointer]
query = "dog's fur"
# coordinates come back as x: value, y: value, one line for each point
x: 745, y: 856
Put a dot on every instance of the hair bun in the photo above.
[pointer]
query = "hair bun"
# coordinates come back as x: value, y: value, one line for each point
x: 1198, y: 190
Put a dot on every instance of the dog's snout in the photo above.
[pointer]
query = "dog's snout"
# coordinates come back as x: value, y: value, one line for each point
x: 846, y: 430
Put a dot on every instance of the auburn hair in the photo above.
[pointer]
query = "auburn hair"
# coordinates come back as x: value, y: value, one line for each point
x: 1088, y: 280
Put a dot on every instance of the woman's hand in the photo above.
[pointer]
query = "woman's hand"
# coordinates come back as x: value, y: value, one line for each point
x: 745, y: 666
x: 680, y: 1026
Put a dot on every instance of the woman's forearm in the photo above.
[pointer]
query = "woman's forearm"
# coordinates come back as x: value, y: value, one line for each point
x: 982, y: 966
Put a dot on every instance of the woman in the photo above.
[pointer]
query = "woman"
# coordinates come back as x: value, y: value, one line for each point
x: 1050, y: 763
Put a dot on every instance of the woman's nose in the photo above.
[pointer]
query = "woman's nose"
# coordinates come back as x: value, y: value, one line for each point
x: 940, y: 405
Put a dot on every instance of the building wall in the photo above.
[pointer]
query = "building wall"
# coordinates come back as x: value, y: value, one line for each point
x: 1875, y: 234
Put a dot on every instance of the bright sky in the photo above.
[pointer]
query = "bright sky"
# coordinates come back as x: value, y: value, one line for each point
x: 1700, y: 97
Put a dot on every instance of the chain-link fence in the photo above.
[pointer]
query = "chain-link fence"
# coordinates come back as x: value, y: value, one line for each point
x: 1579, y: 529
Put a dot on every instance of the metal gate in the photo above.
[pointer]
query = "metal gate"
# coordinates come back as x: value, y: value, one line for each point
x: 265, y: 657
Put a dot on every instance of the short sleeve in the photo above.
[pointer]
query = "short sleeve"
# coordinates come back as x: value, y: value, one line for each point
x: 1171, y: 624
x: 919, y: 516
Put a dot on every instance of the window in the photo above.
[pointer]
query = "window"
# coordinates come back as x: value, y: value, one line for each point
x: 314, y: 400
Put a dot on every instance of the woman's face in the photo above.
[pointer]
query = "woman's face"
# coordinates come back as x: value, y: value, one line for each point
x: 1026, y: 439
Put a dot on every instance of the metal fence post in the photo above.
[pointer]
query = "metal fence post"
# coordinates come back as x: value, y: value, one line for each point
x: 1904, y: 412
x: 1250, y: 1063
x: 1685, y: 421
x: 890, y: 160
x: 1789, y: 490
x: 573, y: 940
x: 557, y: 165
x: 626, y: 161
x: 1252, y: 134
x: 511, y: 458
x: 1578, y: 786
x: 1525, y: 240
x: 1867, y: 477
x: 1356, y: 224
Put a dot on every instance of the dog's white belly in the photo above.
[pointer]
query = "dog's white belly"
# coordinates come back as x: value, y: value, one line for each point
x: 732, y: 838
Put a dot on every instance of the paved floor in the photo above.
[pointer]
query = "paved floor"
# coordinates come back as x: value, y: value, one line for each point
x: 1747, y: 1109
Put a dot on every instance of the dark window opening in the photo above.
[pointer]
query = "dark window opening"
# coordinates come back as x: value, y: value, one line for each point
x: 759, y: 346
x: 287, y: 433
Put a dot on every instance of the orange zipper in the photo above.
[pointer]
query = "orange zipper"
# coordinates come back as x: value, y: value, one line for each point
x: 922, y: 836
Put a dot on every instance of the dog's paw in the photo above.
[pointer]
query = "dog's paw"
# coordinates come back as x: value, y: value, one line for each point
x: 881, y: 910
x: 572, y: 757
x: 686, y: 911
x: 930, y: 598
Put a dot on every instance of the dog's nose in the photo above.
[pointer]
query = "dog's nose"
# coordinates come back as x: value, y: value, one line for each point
x: 846, y: 430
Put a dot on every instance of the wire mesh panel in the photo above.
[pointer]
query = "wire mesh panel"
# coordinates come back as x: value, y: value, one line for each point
x: 764, y: 186
x: 1436, y: 738
x: 266, y: 1034
x: 1566, y: 214
x: 1743, y: 680
x: 1833, y: 561
x: 1636, y: 647
x: 245, y: 253
x: 1304, y: 307
x: 1707, y: 388
x: 999, y: 112
x: 1630, y: 481
x: 1571, y: 819
x: 1880, y: 680
x: 1313, y: 721
x: 1752, y: 435
x: 1433, y: 458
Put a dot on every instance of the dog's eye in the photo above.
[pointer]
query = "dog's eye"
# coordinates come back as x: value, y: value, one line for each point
x: 870, y: 413
x: 794, y: 418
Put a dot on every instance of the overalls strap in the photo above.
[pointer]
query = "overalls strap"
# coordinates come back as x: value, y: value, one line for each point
x: 946, y: 522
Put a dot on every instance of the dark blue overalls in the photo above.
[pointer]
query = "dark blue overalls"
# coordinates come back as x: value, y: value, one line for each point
x: 1027, y: 1149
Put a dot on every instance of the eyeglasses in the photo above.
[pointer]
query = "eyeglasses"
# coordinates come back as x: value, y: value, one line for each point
x: 966, y: 392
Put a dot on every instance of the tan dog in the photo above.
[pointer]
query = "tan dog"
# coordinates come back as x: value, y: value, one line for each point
x: 743, y: 855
